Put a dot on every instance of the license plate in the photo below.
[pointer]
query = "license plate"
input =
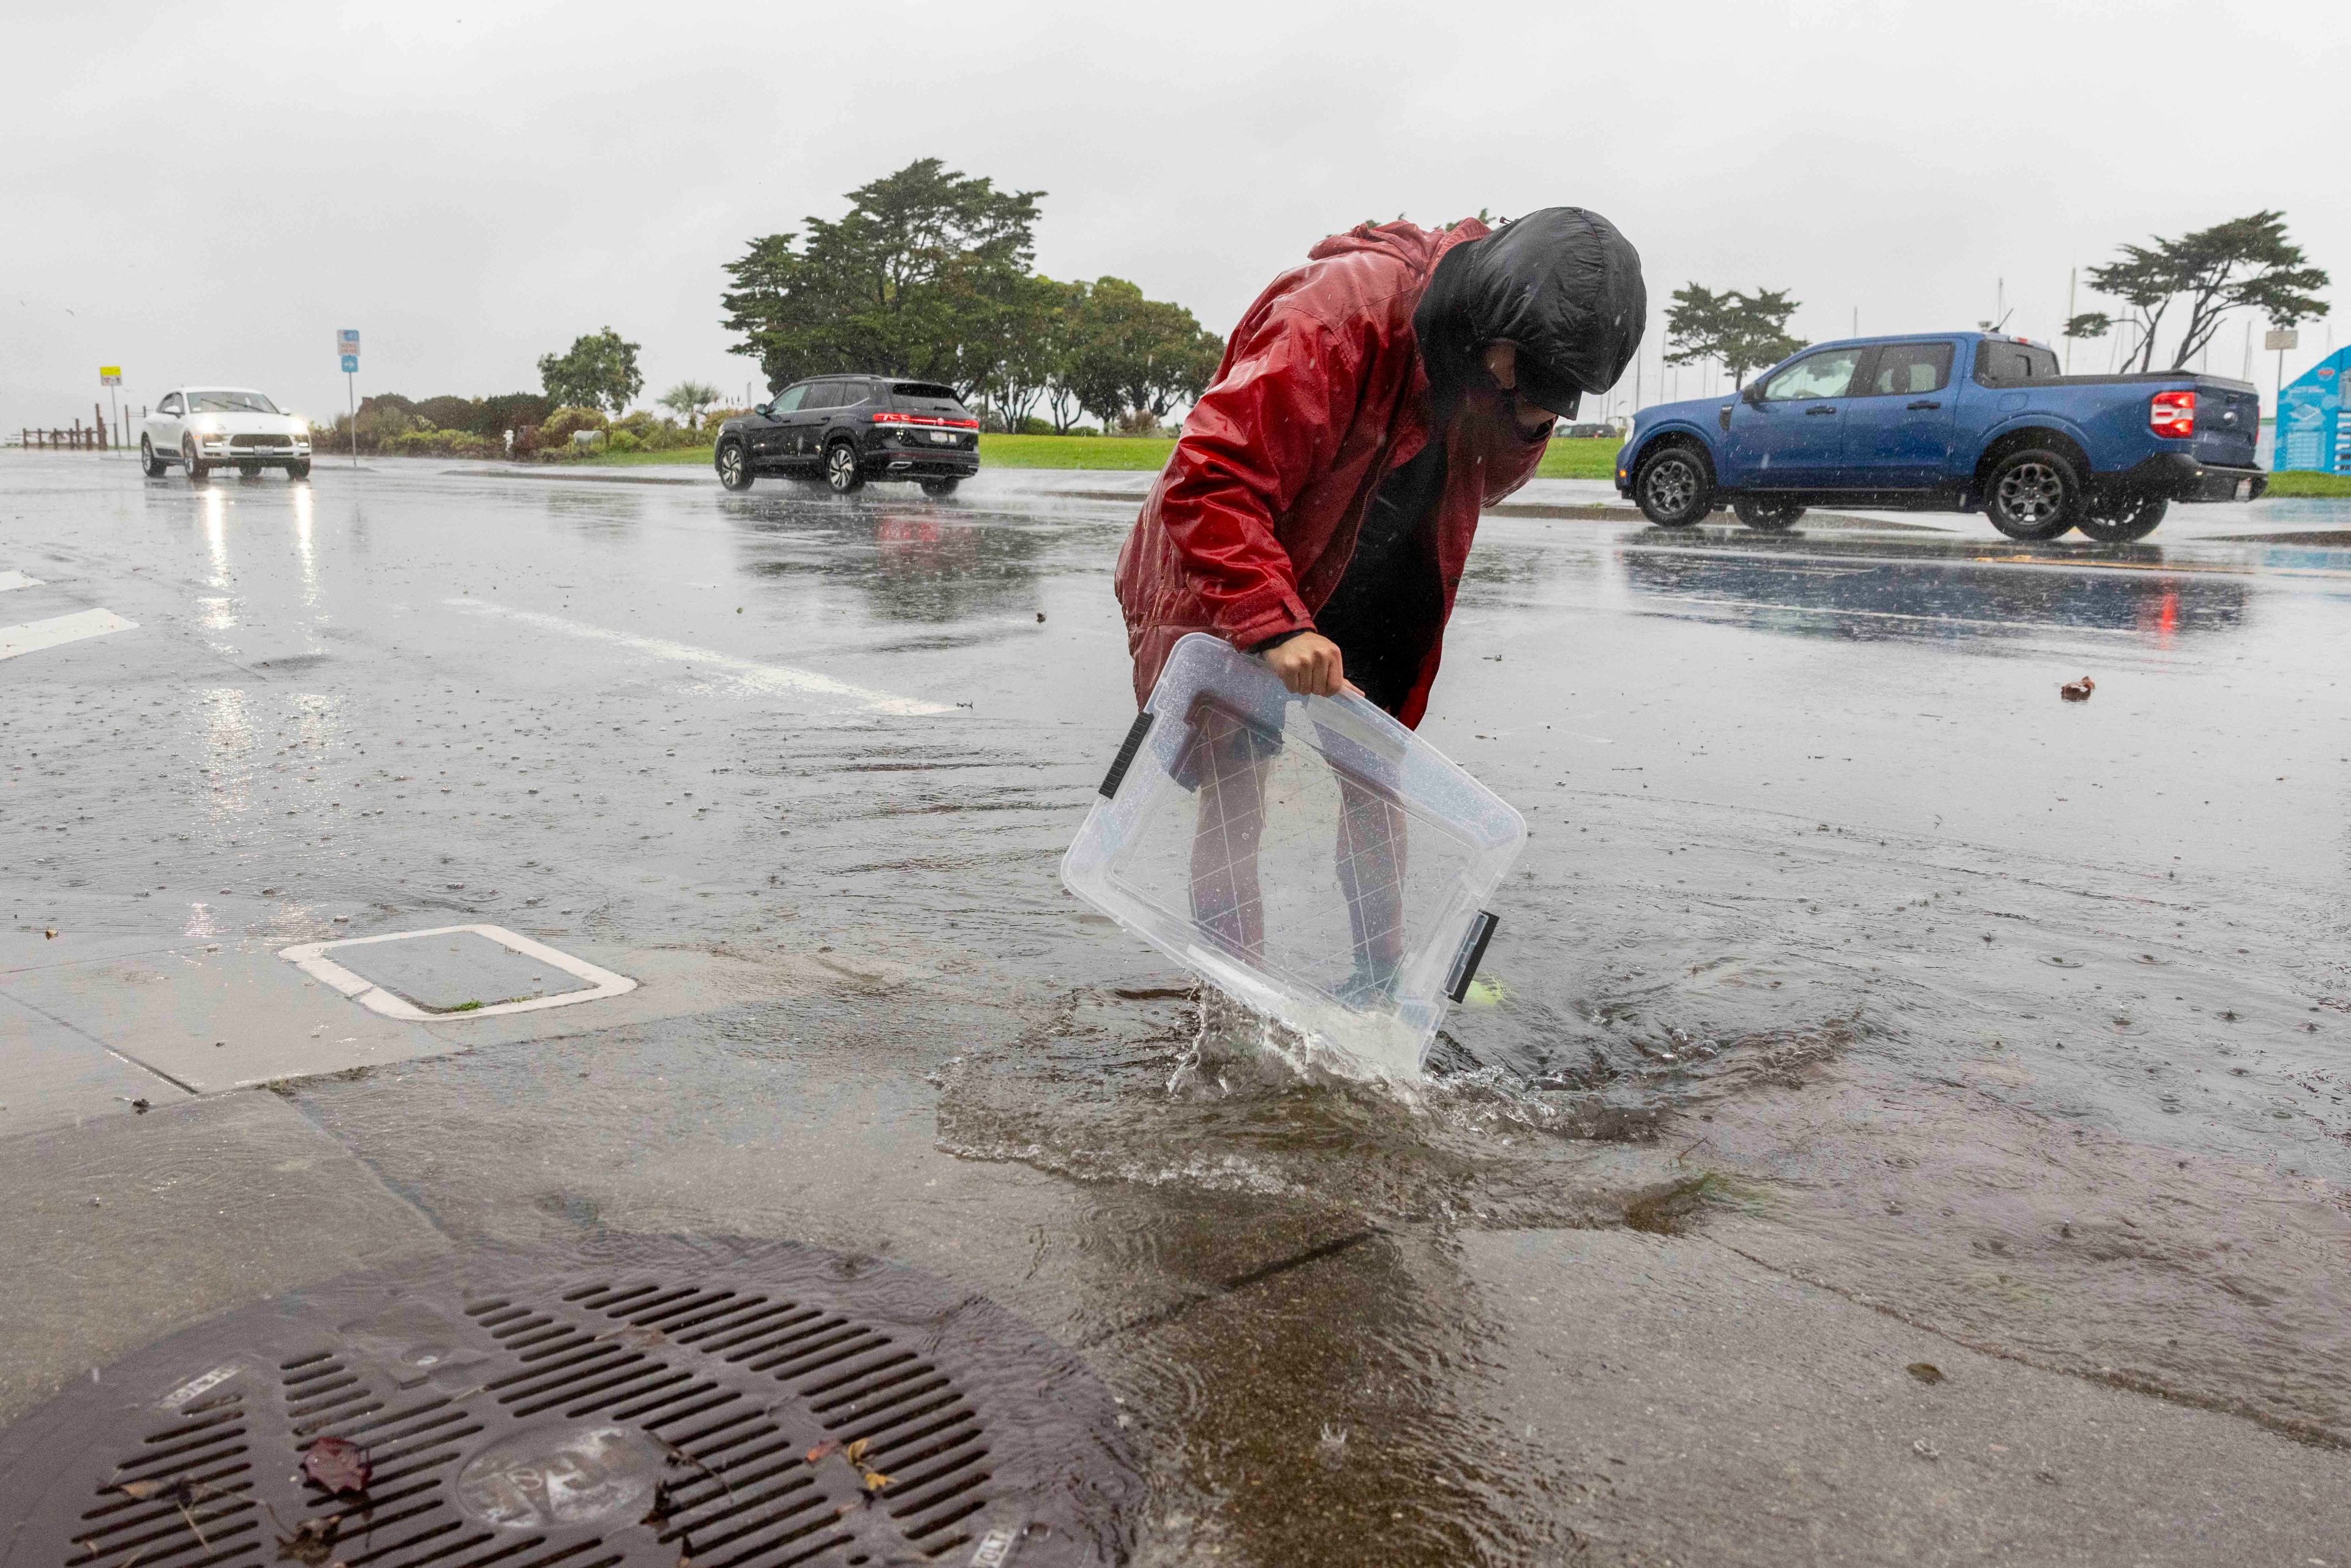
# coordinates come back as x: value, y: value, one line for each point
x: 2244, y: 489
x: 943, y: 437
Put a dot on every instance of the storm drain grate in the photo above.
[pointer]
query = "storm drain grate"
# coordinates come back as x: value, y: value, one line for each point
x: 646, y: 1403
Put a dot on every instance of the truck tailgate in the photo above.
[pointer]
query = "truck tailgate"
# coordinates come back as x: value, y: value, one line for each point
x: 2228, y: 421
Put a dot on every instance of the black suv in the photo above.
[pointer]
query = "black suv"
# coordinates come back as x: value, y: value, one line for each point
x: 849, y: 429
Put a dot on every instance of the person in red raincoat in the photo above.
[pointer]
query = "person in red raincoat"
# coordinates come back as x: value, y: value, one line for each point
x: 1319, y: 508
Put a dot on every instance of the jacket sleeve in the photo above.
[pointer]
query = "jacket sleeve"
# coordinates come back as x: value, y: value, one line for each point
x: 1269, y: 427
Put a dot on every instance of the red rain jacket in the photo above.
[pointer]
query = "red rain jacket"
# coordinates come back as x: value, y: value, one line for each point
x: 1322, y: 393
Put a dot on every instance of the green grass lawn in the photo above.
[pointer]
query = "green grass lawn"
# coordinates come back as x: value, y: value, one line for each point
x: 641, y: 459
x: 995, y: 452
x: 1566, y: 460
x: 1595, y: 459
x: 2301, y: 484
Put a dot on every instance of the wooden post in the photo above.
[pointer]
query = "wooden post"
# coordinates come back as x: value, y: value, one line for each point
x: 97, y: 417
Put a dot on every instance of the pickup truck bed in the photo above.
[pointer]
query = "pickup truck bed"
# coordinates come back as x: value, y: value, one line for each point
x: 1948, y: 422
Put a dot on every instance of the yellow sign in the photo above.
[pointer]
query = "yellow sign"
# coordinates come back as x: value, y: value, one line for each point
x: 110, y: 375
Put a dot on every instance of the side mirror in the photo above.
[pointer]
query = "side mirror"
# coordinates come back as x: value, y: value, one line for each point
x: 1751, y: 393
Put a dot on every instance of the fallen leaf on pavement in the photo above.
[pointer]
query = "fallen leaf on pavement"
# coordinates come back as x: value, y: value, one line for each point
x: 338, y: 1464
x: 312, y: 1542
x: 821, y: 1449
x: 2077, y: 691
x: 1925, y: 1371
x: 855, y: 1452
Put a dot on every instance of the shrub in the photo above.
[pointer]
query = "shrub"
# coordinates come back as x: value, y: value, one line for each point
x: 442, y: 443
x: 623, y: 441
x: 517, y: 411
x: 559, y: 427
x: 446, y: 412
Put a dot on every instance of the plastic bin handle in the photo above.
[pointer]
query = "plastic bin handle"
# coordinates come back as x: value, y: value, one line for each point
x: 1473, y: 952
x: 1126, y: 758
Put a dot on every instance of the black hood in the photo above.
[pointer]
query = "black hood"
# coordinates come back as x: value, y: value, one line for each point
x: 1562, y: 284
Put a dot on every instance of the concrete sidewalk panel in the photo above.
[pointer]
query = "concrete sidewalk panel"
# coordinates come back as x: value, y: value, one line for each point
x: 127, y: 1229
x: 215, y: 1020
x: 51, y: 1076
x: 1704, y: 1409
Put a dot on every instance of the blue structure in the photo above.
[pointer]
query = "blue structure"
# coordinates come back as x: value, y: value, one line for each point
x: 2313, y: 428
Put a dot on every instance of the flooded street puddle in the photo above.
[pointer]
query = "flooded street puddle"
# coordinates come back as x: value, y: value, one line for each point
x: 1840, y: 943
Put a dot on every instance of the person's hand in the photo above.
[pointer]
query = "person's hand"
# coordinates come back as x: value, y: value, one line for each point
x: 1310, y: 664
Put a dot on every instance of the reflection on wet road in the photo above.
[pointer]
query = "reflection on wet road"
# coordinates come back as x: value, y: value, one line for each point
x: 2023, y: 1019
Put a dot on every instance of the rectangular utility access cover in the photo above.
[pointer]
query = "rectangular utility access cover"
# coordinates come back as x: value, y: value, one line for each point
x: 455, y: 971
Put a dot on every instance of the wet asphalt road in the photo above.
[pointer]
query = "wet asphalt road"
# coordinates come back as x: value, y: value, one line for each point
x: 1856, y: 989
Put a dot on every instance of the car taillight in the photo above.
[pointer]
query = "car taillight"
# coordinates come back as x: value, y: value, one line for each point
x: 2172, y: 414
x: 930, y: 421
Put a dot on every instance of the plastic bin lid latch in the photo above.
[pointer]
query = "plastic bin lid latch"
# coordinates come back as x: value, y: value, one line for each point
x: 1126, y: 758
x: 1473, y: 952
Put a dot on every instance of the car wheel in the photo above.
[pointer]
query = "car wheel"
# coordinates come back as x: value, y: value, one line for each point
x: 942, y: 489
x: 155, y: 466
x: 249, y: 470
x: 2122, y: 520
x: 1674, y: 487
x: 733, y: 465
x: 840, y: 468
x: 2033, y: 493
x: 1767, y: 517
x: 298, y: 469
x: 193, y: 466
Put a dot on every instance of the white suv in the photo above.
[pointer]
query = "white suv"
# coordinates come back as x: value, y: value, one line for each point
x: 206, y: 427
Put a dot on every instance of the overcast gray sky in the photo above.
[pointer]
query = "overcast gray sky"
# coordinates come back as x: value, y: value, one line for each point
x: 204, y: 194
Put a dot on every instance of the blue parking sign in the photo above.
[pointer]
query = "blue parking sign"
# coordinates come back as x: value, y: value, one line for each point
x: 350, y: 364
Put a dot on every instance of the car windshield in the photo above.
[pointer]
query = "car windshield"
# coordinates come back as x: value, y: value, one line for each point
x: 216, y: 400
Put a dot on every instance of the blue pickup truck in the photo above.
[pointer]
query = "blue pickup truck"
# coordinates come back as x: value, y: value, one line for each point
x: 1948, y: 422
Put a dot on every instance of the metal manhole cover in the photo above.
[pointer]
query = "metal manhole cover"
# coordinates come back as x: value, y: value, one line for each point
x: 639, y: 1403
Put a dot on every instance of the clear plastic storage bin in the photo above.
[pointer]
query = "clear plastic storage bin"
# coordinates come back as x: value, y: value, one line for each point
x: 1310, y: 856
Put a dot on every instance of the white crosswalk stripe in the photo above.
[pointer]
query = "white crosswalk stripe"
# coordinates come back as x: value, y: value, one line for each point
x: 35, y: 635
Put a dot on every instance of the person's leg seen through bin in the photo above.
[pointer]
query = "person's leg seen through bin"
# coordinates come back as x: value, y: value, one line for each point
x: 1230, y: 765
x: 1371, y: 864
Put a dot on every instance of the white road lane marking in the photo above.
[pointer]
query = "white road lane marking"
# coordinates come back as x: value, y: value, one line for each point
x: 9, y: 580
x: 750, y: 672
x: 35, y: 635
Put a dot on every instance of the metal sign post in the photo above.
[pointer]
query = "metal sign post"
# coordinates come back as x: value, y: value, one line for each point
x: 347, y: 344
x: 2281, y: 338
x: 111, y: 378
